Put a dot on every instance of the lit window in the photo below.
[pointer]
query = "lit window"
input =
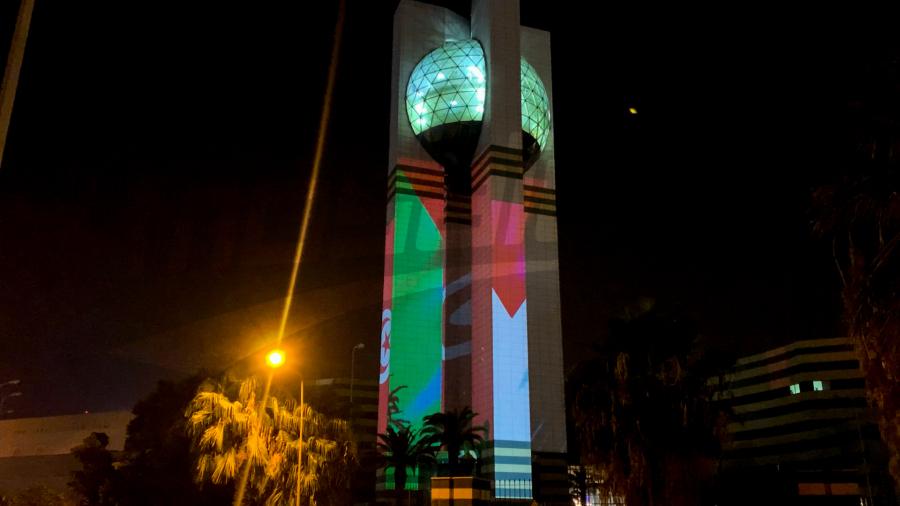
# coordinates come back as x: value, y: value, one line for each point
x: 795, y: 388
x: 818, y: 386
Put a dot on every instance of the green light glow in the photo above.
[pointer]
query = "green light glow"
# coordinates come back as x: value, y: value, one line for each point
x: 418, y: 276
x: 447, y: 86
x: 535, y: 105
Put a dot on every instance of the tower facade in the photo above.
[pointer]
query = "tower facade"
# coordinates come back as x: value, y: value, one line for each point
x: 471, y: 313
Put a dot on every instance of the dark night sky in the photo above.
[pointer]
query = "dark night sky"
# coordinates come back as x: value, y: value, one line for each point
x: 159, y: 153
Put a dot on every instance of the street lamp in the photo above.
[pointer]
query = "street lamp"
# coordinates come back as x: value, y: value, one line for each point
x: 274, y: 360
x: 353, y: 368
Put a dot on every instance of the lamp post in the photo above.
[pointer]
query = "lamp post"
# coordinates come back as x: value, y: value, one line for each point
x: 300, y: 443
x: 353, y: 369
x: 274, y: 360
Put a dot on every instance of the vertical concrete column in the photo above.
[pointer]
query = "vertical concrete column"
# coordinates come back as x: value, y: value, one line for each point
x: 458, y: 302
x: 548, y: 418
x: 500, y: 382
x: 411, y: 341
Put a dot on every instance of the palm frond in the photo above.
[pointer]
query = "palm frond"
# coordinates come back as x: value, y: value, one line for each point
x: 229, y: 428
x: 213, y: 437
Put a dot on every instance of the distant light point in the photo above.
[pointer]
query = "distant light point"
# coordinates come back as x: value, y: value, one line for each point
x: 632, y: 111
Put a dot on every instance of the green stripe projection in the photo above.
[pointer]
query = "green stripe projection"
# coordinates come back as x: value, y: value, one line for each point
x: 417, y: 302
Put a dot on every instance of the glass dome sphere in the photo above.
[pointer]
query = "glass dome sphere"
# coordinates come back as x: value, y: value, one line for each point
x: 445, y: 100
x: 535, y: 105
x: 447, y: 86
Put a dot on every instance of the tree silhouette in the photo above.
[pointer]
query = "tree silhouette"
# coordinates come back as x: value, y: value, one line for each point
x: 394, y: 409
x: 95, y: 482
x: 859, y: 213
x: 229, y: 430
x: 644, y: 410
x: 453, y: 431
x: 403, y: 449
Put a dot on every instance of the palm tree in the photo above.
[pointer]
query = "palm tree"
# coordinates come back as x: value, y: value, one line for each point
x: 229, y: 431
x: 452, y: 430
x: 644, y: 412
x: 403, y: 449
x: 394, y: 409
x: 860, y: 213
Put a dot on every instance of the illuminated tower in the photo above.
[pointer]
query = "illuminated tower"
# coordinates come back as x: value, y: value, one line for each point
x: 471, y: 287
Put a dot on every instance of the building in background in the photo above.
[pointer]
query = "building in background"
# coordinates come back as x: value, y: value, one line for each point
x: 801, y: 429
x: 37, y: 451
x: 471, y: 312
x: 332, y: 396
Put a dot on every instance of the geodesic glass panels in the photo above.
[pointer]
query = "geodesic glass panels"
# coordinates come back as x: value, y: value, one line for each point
x: 535, y: 105
x: 447, y: 86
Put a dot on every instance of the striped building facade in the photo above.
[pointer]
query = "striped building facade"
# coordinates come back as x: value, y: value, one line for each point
x: 331, y: 396
x: 801, y: 429
x: 471, y: 313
